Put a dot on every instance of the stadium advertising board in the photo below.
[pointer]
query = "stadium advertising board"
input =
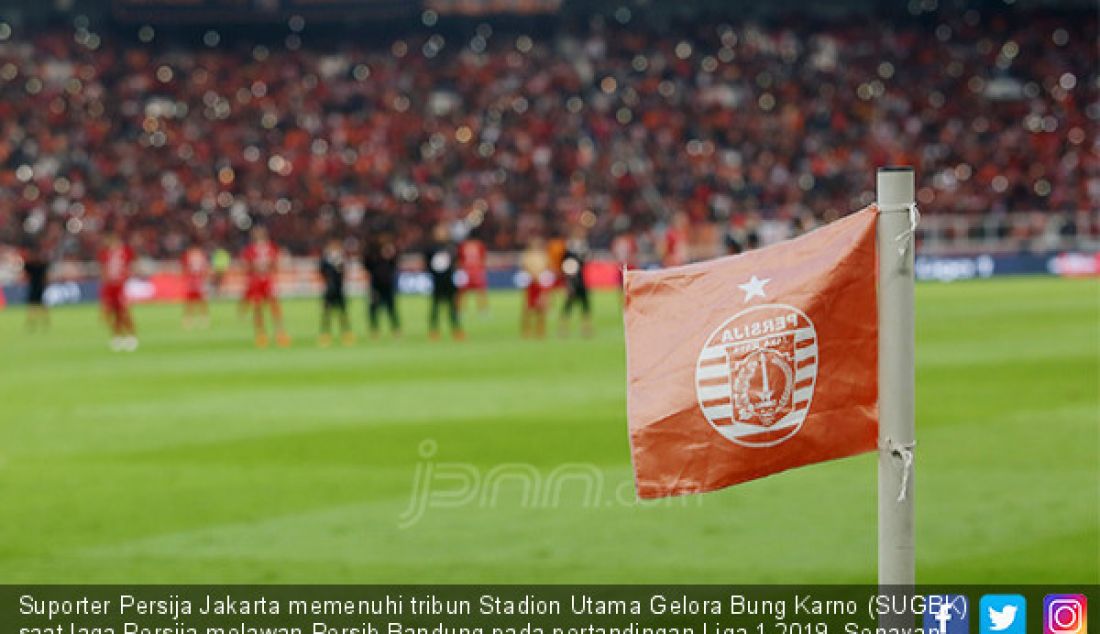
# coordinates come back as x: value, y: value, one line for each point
x: 601, y: 274
x: 57, y: 293
x: 953, y: 268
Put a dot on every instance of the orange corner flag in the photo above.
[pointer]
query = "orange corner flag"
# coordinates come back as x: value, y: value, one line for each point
x: 748, y: 365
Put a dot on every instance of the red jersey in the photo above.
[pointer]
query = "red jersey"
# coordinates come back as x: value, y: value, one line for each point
x: 472, y: 255
x: 114, y: 263
x: 676, y: 248
x: 196, y: 268
x: 625, y: 251
x: 195, y: 264
x: 261, y: 259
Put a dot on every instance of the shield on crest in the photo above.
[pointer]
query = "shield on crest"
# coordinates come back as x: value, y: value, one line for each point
x: 755, y: 376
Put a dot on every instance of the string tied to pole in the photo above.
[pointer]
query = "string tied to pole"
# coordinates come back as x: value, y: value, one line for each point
x: 904, y: 451
x: 906, y: 238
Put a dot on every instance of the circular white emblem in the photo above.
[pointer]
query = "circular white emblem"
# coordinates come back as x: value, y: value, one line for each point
x: 756, y: 374
x: 441, y: 261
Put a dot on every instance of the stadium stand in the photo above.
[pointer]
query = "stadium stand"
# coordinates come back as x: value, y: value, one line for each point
x: 611, y: 125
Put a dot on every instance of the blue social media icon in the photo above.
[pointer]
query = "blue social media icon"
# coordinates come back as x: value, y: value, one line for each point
x: 1003, y: 614
x: 946, y: 614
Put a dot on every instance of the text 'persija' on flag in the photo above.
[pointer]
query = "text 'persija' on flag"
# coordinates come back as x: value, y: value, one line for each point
x: 744, y: 366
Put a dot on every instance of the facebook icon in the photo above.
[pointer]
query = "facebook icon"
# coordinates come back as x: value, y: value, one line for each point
x: 946, y: 614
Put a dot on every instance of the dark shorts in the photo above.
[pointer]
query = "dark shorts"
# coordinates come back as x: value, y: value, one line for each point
x: 577, y: 294
x: 333, y: 300
x: 382, y: 293
x: 35, y: 294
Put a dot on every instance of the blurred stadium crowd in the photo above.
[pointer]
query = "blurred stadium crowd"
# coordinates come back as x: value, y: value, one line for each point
x: 611, y: 126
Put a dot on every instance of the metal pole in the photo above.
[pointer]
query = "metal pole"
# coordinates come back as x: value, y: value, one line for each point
x: 896, y: 554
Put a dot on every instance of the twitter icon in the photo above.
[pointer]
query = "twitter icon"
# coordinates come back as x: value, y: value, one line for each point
x: 1003, y: 614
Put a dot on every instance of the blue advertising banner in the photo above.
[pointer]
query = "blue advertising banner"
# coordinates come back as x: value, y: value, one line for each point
x: 57, y: 293
x: 952, y: 268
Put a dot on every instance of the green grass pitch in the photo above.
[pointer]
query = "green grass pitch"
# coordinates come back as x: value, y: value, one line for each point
x: 201, y: 459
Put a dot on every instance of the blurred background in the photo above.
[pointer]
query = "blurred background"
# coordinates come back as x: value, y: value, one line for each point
x: 716, y: 125
x: 757, y: 120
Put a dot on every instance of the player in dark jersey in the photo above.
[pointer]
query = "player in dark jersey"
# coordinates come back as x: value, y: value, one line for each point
x: 334, y: 301
x: 576, y: 289
x: 440, y: 260
x: 380, y: 262
x: 36, y: 271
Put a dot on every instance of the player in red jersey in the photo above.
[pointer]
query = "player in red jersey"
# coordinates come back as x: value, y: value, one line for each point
x: 536, y: 264
x: 674, y: 251
x: 624, y: 248
x: 115, y: 260
x: 261, y: 262
x: 472, y: 256
x: 196, y: 272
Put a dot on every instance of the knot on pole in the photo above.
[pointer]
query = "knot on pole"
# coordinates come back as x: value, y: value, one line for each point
x: 908, y: 237
x: 904, y: 451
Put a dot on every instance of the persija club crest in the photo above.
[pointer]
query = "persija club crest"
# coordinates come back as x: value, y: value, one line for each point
x: 756, y: 374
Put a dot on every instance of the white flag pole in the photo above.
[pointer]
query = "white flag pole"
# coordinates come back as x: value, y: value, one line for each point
x: 895, y: 235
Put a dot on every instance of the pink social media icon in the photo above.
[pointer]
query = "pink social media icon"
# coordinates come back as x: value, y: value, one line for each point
x: 1065, y: 614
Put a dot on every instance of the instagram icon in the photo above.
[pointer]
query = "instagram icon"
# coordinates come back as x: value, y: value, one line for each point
x: 1065, y: 614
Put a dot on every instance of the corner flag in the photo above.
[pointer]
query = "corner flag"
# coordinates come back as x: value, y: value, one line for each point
x: 745, y: 366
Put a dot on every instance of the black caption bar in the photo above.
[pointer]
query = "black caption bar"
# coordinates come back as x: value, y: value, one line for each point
x: 556, y: 609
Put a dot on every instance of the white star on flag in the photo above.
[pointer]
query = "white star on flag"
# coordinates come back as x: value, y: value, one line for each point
x: 754, y: 287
